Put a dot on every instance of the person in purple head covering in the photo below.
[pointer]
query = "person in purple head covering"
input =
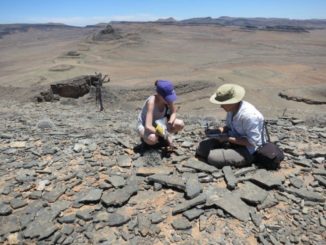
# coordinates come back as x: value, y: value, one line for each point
x: 159, y: 108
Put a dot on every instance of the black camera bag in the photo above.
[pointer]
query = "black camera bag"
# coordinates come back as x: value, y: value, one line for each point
x: 269, y: 155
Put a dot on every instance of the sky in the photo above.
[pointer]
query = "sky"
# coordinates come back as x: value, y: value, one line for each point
x: 87, y: 12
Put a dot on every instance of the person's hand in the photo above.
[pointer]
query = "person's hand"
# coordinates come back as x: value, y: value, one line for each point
x: 170, y: 141
x: 150, y: 129
x: 169, y: 126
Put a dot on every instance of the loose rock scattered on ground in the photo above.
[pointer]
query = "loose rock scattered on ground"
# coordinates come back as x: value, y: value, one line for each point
x: 72, y: 175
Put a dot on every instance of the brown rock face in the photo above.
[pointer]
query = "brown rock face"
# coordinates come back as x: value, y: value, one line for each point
x: 75, y: 87
x: 108, y: 33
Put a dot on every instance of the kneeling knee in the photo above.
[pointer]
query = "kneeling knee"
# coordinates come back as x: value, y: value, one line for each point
x: 152, y: 139
x: 216, y: 158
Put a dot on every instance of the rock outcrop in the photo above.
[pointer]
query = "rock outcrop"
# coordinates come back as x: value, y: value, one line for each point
x: 71, y: 88
x: 82, y: 177
x: 106, y: 34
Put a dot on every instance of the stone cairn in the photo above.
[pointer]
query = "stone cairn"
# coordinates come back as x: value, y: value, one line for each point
x: 70, y: 175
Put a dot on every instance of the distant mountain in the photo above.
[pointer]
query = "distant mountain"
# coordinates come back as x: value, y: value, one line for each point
x: 6, y: 29
x: 203, y: 20
x: 98, y: 25
x: 266, y: 24
x: 166, y: 20
x: 258, y: 22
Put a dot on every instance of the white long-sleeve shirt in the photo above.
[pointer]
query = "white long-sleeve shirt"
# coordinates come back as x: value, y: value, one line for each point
x: 248, y: 122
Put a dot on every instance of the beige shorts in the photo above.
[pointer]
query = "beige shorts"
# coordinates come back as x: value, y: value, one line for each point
x: 177, y: 125
x: 141, y: 130
x: 223, y: 155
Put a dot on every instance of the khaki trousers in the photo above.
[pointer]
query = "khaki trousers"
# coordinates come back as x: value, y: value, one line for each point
x: 221, y: 155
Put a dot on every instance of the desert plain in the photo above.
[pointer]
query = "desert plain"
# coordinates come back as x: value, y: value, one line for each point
x: 70, y: 174
x: 264, y: 62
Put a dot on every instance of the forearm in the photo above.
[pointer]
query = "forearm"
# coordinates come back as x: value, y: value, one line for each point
x: 150, y: 128
x: 239, y: 141
x: 172, y: 118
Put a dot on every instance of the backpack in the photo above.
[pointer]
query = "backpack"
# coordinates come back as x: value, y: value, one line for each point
x: 268, y: 155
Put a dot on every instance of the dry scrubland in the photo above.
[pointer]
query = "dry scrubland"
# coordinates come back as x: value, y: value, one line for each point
x: 72, y: 175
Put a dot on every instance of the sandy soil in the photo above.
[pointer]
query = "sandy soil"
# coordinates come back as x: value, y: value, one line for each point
x: 265, y: 63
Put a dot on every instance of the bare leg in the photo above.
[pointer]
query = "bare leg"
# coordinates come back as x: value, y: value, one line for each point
x: 150, y: 139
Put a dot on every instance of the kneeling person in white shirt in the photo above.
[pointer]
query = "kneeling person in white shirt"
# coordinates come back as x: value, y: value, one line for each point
x: 243, y: 130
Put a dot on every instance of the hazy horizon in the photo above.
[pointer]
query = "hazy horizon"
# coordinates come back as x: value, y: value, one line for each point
x: 195, y: 17
x: 85, y: 12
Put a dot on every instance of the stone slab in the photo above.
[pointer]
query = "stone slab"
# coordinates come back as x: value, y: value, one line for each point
x: 144, y: 224
x: 193, y: 187
x: 53, y: 195
x: 321, y: 180
x: 252, y: 194
x: 200, y: 166
x: 120, y: 196
x: 92, y: 196
x: 230, y: 179
x: 124, y: 161
x: 193, y: 213
x: 266, y: 179
x: 269, y: 202
x: 117, y: 181
x: 306, y: 194
x: 231, y: 203
x: 147, y: 171
x: 181, y: 224
x: 117, y: 219
x: 168, y: 180
x: 201, y: 199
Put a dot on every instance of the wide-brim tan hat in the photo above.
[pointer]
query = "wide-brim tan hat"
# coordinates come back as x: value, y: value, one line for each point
x: 228, y: 94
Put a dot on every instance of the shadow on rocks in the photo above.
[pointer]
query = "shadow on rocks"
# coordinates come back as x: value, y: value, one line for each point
x: 159, y: 150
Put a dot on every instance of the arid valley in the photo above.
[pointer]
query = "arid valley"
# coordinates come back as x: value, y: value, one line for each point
x: 135, y: 55
x: 70, y: 174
